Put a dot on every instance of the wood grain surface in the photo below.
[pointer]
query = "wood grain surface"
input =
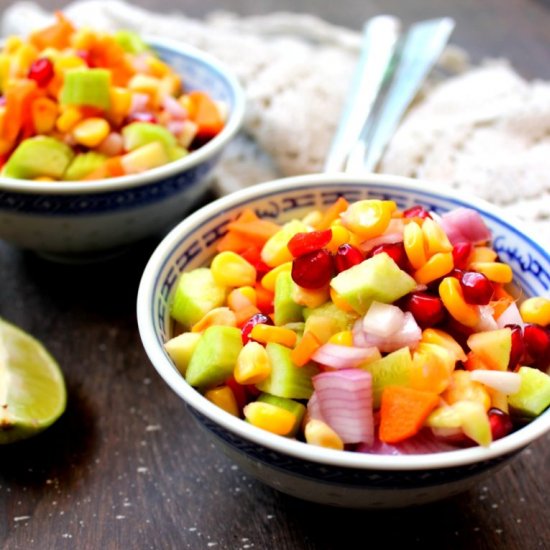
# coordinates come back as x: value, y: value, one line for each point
x: 126, y: 467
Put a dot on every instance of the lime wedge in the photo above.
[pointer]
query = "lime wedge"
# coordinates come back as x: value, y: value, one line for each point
x: 32, y: 389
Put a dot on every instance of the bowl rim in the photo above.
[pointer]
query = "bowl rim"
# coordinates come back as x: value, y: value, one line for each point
x: 297, y: 449
x: 132, y: 181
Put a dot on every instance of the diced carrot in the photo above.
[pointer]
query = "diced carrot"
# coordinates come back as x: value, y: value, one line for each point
x: 233, y: 242
x: 255, y: 232
x: 206, y: 114
x: 56, y: 36
x: 114, y: 167
x: 253, y: 255
x: 305, y: 348
x: 19, y: 95
x: 332, y: 213
x: 264, y: 299
x: 403, y: 412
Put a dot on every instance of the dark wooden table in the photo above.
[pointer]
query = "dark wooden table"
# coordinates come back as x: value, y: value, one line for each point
x: 125, y: 466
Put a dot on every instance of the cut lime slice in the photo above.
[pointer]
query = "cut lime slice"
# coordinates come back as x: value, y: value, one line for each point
x: 32, y: 389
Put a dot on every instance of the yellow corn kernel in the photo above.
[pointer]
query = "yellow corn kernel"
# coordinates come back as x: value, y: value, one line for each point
x: 313, y: 218
x: 157, y: 67
x: 536, y: 310
x: 275, y: 251
x: 413, y: 241
x: 170, y: 85
x: 309, y: 298
x: 253, y: 364
x: 340, y: 302
x: 68, y: 119
x: 483, y: 254
x: 12, y: 44
x: 43, y: 178
x: 231, y: 269
x: 318, y: 433
x: 463, y: 388
x: 66, y: 62
x: 453, y: 300
x: 435, y: 237
x: 368, y: 218
x: 250, y: 293
x: 437, y: 266
x: 217, y: 316
x: 342, y: 338
x: 497, y: 272
x: 340, y: 236
x: 280, y: 335
x: 224, y: 398
x: 83, y: 39
x: 145, y: 84
x: 144, y: 158
x: 44, y: 113
x: 445, y: 340
x: 270, y: 278
x: 121, y: 100
x: 242, y: 297
x: 499, y: 400
x: 91, y: 131
x: 22, y: 60
x: 270, y: 417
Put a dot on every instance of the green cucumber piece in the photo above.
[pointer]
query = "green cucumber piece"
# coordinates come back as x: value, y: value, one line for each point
x: 181, y: 348
x: 378, y: 278
x: 296, y: 408
x: 83, y: 164
x: 131, y: 42
x: 285, y: 309
x: 533, y: 396
x: 328, y: 319
x: 88, y: 87
x: 138, y: 134
x: 214, y: 357
x: 39, y: 156
x: 196, y: 294
x: 286, y: 379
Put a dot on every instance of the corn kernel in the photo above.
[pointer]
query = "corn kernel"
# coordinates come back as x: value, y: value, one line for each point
x: 413, y: 241
x: 12, y: 44
x: 144, y: 158
x: 267, y: 333
x: 242, y: 297
x: 157, y: 67
x: 224, y: 398
x: 270, y: 278
x: 170, y: 85
x: 368, y: 218
x: 67, y: 62
x: 121, y: 100
x: 453, y: 300
x: 463, y: 388
x: 499, y: 400
x: 231, y: 269
x: 91, y: 131
x: 253, y: 364
x: 444, y: 339
x: 270, y: 417
x: 144, y: 84
x: 275, y: 251
x: 313, y: 218
x: 318, y: 433
x: 536, y: 310
x: 483, y: 254
x: 309, y: 298
x: 340, y: 236
x: 436, y: 267
x: 44, y: 114
x: 497, y: 272
x: 217, y: 316
x: 22, y: 60
x: 69, y: 117
x: 342, y: 338
x: 435, y: 237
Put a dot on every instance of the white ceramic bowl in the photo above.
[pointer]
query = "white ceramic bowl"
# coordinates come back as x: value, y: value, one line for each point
x: 76, y: 220
x: 323, y: 475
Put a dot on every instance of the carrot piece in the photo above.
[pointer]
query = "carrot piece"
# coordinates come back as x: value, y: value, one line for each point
x: 305, y: 348
x: 56, y: 36
x: 264, y: 299
x: 19, y: 95
x: 206, y: 114
x: 403, y: 412
x: 114, y: 167
x: 256, y: 232
x: 232, y: 241
x: 332, y: 213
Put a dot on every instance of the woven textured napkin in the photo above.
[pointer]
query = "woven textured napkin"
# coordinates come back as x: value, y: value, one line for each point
x: 483, y: 129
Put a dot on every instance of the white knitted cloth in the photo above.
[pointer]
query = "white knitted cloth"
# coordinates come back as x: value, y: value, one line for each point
x: 485, y: 130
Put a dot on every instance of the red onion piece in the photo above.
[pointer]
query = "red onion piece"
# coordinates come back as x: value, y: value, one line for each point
x: 345, y: 402
x: 386, y: 238
x: 486, y: 320
x: 139, y: 103
x: 313, y: 408
x: 503, y: 381
x: 408, y: 335
x: 342, y: 357
x: 383, y: 319
x: 173, y: 106
x: 465, y: 224
x: 422, y: 443
x: 112, y: 145
x: 510, y: 316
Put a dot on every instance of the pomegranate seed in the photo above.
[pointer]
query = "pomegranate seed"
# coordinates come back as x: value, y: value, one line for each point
x: 461, y: 254
x: 239, y: 391
x: 500, y: 422
x: 313, y: 270
x: 251, y: 323
x: 347, y: 256
x: 302, y: 243
x: 396, y: 251
x: 426, y: 308
x: 516, y: 353
x: 416, y: 211
x: 142, y: 117
x: 537, y: 346
x: 41, y: 71
x: 477, y: 289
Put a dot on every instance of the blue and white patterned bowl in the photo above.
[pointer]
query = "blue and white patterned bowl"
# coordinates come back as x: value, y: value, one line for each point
x: 312, y: 473
x: 71, y: 220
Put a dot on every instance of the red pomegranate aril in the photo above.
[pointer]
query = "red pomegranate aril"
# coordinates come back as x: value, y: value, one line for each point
x: 347, y: 256
x: 516, y: 352
x: 476, y: 288
x: 258, y: 318
x: 239, y: 391
x: 41, y: 71
x: 536, y: 340
x: 416, y: 211
x: 461, y: 254
x: 501, y: 424
x: 302, y: 243
x: 396, y: 251
x: 427, y: 309
x: 313, y: 270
